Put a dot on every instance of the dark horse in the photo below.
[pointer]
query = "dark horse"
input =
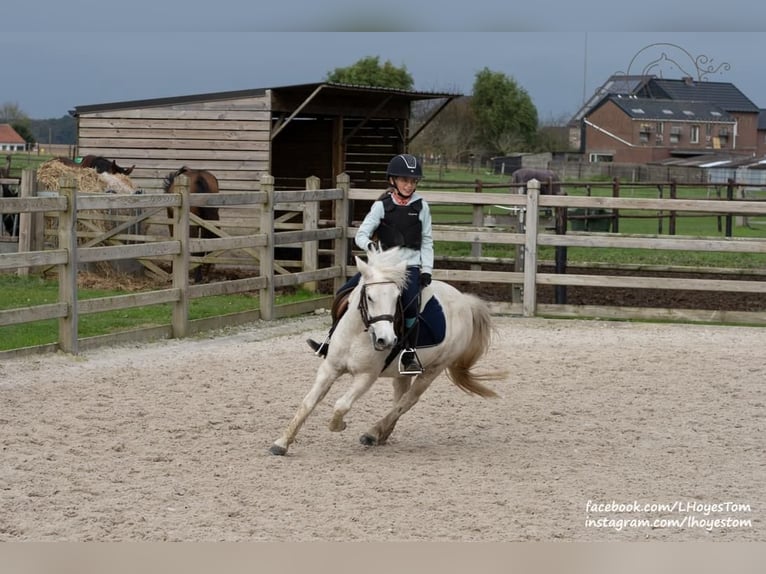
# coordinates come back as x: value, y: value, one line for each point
x: 104, y: 165
x: 549, y: 181
x: 10, y: 220
x: 200, y: 181
x: 97, y: 162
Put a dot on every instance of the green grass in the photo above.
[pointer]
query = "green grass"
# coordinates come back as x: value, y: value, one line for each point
x: 31, y: 291
x: 26, y: 160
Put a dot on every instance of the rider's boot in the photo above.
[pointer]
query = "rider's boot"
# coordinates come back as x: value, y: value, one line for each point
x: 409, y: 363
x: 320, y: 349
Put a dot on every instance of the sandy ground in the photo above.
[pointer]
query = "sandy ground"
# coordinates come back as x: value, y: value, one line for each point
x: 599, y: 424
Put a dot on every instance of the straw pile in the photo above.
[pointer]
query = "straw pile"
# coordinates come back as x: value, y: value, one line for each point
x: 86, y: 180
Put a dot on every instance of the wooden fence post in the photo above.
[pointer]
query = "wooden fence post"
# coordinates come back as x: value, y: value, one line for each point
x: 311, y: 223
x: 478, y: 221
x: 67, y: 238
x: 343, y: 181
x: 529, y: 304
x: 180, y: 320
x: 266, y: 295
x: 27, y: 219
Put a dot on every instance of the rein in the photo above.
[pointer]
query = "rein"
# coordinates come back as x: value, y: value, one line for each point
x: 366, y: 319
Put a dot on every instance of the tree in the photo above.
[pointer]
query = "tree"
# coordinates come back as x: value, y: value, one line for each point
x: 505, y: 115
x: 369, y: 72
x: 451, y: 135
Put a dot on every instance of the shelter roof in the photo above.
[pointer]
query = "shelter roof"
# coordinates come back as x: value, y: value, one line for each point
x: 323, y: 90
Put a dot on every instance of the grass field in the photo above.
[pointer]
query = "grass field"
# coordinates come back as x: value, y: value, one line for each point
x: 21, y: 292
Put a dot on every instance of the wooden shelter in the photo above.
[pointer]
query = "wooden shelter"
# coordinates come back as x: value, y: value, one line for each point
x: 291, y: 132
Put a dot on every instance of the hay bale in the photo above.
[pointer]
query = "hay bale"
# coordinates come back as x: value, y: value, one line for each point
x: 87, y: 180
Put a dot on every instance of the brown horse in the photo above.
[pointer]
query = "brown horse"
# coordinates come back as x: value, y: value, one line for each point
x: 200, y: 181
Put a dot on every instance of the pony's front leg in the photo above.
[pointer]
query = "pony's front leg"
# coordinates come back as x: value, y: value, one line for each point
x: 380, y: 431
x: 360, y: 385
x: 401, y: 385
x: 326, y: 376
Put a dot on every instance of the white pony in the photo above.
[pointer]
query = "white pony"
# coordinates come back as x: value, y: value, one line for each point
x: 365, y: 335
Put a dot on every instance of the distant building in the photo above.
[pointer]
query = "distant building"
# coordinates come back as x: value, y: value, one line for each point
x: 643, y: 119
x: 10, y: 140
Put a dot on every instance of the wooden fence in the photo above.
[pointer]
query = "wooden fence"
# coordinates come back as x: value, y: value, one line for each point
x: 524, y: 240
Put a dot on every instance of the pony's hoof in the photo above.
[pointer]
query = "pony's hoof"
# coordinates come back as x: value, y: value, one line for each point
x: 368, y: 440
x: 337, y: 425
x: 278, y: 450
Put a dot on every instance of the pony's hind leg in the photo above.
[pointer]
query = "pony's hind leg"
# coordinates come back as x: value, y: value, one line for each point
x: 361, y: 383
x: 380, y: 431
x: 325, y: 378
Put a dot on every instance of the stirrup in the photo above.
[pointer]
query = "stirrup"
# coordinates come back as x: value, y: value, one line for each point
x: 413, y: 365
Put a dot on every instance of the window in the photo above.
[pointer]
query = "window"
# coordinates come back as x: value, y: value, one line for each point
x: 694, y: 135
x: 599, y: 157
x: 660, y: 127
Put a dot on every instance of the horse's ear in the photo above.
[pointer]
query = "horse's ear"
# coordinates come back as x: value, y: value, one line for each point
x: 361, y: 265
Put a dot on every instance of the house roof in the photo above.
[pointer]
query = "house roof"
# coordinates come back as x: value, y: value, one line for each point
x: 671, y: 110
x: 616, y: 84
x: 8, y: 135
x: 725, y: 95
x: 299, y: 91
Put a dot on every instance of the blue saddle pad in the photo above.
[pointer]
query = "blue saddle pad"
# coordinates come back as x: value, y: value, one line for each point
x: 432, y: 327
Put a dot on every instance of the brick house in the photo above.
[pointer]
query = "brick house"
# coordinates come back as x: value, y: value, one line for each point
x: 10, y: 140
x: 642, y: 119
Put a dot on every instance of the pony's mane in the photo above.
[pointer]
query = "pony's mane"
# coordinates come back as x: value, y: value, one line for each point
x: 388, y: 266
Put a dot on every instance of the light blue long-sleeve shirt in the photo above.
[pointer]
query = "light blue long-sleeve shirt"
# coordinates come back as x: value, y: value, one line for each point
x: 423, y: 258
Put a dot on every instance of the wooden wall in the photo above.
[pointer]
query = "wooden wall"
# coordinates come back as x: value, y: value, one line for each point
x: 229, y: 137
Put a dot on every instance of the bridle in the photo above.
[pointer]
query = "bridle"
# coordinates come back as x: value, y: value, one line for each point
x: 366, y: 319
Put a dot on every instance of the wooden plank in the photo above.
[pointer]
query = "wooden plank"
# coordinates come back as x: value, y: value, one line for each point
x: 32, y: 204
x: 164, y: 113
x: 226, y: 243
x: 117, y: 252
x: 664, y: 283
x: 230, y: 287
x: 301, y: 277
x: 672, y: 242
x: 109, y: 136
x: 653, y: 314
x: 30, y: 314
x: 712, y: 206
x: 128, y: 301
x: 127, y: 146
x: 285, y: 237
x: 249, y: 123
x: 33, y: 259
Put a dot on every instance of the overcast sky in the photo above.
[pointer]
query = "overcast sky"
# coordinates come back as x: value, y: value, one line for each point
x: 58, y: 55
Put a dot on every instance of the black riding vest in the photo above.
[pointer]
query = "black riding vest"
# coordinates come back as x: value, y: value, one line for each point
x: 401, y: 225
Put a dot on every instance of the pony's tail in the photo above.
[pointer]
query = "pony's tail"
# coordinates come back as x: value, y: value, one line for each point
x: 460, y: 371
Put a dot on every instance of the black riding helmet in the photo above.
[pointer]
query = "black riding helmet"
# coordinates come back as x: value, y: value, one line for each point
x: 404, y: 165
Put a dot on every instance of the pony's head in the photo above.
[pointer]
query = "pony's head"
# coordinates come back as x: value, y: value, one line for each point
x: 383, y: 276
x: 389, y: 265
